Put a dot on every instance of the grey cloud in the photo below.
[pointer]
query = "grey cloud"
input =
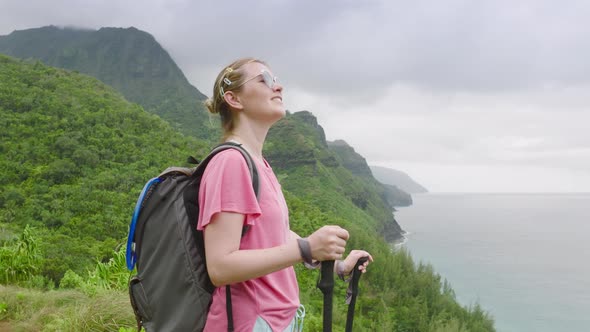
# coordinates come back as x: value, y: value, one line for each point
x: 457, y: 82
x: 344, y: 47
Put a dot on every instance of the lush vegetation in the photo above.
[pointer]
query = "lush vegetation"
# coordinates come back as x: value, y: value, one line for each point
x: 74, y: 156
x: 129, y: 60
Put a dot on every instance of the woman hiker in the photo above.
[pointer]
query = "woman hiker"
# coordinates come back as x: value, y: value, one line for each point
x: 258, y: 265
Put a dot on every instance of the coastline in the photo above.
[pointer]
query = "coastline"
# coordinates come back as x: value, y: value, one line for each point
x: 399, y: 242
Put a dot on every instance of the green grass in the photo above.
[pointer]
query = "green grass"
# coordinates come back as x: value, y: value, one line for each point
x: 23, y: 309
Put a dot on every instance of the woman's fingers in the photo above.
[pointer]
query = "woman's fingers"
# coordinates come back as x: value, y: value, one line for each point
x: 328, y: 243
x: 352, y: 259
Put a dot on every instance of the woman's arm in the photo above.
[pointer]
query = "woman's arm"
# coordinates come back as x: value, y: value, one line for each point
x: 227, y: 264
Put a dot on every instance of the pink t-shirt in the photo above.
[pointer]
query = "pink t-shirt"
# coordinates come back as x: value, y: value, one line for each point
x: 227, y: 186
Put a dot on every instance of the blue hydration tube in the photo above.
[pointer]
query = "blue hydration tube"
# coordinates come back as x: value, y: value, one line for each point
x: 130, y: 255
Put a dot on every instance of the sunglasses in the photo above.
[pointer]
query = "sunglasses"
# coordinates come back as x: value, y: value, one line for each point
x: 269, y: 80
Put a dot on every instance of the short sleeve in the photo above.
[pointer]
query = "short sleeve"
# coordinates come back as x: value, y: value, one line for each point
x: 226, y: 186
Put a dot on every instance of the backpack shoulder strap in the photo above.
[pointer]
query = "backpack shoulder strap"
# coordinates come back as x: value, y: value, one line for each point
x: 174, y: 169
x: 236, y: 146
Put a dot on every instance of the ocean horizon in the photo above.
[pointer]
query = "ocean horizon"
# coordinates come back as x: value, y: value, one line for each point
x: 521, y: 256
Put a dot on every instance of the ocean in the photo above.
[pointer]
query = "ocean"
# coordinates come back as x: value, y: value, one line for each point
x: 525, y: 258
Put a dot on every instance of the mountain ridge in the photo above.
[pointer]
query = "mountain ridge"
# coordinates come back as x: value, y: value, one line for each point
x: 397, y: 178
x: 130, y: 60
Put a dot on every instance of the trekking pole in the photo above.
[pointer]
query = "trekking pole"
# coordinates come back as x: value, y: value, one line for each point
x: 354, y: 286
x: 326, y: 285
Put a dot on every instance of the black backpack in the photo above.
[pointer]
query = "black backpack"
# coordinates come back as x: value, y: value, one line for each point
x: 172, y: 289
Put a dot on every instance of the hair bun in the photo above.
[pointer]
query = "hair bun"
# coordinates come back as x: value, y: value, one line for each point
x: 210, y: 107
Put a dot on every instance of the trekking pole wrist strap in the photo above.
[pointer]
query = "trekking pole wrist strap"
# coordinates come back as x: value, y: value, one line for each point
x: 340, y: 271
x: 312, y: 266
x: 305, y: 250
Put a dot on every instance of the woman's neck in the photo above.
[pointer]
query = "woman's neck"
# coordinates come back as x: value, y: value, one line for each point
x: 251, y: 142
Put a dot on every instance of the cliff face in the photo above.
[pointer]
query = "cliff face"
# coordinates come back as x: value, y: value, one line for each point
x: 310, y: 120
x: 331, y: 174
x: 298, y: 140
x: 397, y: 197
x: 357, y: 164
x: 350, y: 159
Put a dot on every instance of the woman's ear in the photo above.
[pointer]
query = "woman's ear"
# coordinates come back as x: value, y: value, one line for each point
x: 233, y: 100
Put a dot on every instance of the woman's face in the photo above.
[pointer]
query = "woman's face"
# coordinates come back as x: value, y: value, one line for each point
x: 261, y: 95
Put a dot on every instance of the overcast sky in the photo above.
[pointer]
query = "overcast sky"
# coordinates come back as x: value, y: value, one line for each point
x: 464, y: 96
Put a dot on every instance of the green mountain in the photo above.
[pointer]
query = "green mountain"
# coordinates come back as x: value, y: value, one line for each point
x: 357, y: 164
x: 129, y: 60
x: 74, y: 154
x: 397, y: 178
x: 309, y: 168
x: 136, y: 65
x: 397, y: 197
x: 353, y: 161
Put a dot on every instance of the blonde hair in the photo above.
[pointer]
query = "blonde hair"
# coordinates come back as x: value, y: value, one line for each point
x: 229, y: 79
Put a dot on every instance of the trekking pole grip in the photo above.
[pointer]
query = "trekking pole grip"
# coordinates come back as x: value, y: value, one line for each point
x: 354, y: 287
x: 326, y: 285
x: 356, y: 274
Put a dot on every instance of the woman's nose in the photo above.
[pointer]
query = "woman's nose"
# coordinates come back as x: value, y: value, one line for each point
x: 277, y: 87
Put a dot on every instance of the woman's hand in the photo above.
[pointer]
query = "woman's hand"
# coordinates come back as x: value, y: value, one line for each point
x: 345, y: 266
x: 328, y: 243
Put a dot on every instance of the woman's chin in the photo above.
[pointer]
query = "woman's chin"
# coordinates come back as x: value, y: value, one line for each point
x: 278, y: 114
